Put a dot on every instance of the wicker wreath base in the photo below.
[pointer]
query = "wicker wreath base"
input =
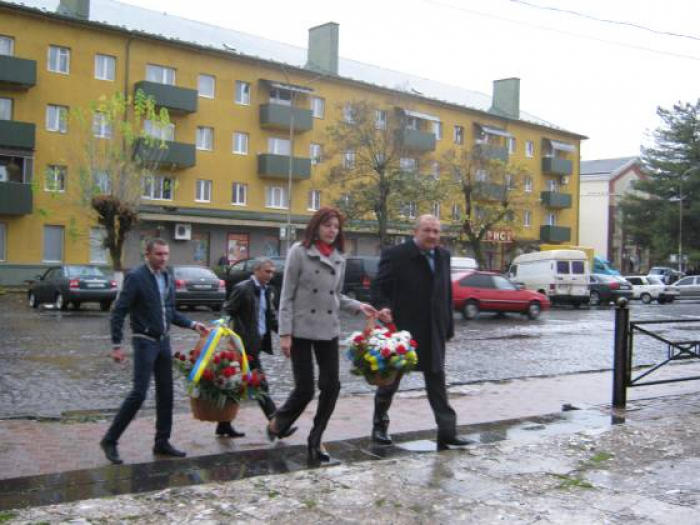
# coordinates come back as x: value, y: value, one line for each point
x: 377, y: 380
x: 204, y: 410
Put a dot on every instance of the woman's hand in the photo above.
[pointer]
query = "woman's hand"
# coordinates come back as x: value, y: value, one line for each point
x: 385, y: 316
x: 286, y: 345
x: 368, y: 310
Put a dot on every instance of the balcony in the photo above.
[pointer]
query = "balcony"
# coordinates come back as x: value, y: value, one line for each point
x: 172, y: 155
x: 553, y: 199
x: 556, y: 166
x: 418, y: 140
x: 277, y: 167
x: 17, y: 135
x: 489, y: 152
x: 15, y: 198
x: 279, y: 116
x: 555, y: 234
x: 17, y: 73
x: 489, y: 191
x: 174, y: 99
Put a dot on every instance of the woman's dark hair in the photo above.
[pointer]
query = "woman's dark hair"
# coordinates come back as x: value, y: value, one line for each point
x: 318, y: 218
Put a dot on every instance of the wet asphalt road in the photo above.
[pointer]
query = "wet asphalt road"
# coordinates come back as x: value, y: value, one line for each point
x: 55, y: 363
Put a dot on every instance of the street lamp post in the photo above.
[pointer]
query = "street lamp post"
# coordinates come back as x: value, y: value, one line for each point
x: 290, y: 174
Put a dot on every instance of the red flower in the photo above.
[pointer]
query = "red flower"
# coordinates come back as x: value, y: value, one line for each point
x: 192, y: 359
x: 413, y: 343
x: 358, y: 339
x: 216, y: 360
x: 385, y: 352
x: 228, y: 371
x: 254, y: 379
x: 182, y: 357
x: 208, y: 375
x: 401, y: 349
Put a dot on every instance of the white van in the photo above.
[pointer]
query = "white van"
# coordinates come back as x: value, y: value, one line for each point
x: 459, y: 264
x: 561, y: 275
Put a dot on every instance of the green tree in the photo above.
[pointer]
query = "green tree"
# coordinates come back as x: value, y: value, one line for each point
x: 376, y: 170
x: 671, y: 164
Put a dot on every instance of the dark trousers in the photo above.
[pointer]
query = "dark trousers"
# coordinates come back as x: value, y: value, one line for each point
x: 150, y: 358
x: 445, y: 416
x: 326, y: 353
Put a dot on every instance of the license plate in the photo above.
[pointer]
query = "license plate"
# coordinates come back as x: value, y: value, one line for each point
x: 202, y: 287
x: 95, y: 285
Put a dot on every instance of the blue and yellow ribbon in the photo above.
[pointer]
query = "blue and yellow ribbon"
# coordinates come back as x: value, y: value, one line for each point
x: 212, y: 342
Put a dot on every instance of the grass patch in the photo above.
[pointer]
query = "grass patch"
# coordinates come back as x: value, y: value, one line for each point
x: 310, y: 503
x: 596, y: 460
x: 7, y: 516
x: 572, y: 482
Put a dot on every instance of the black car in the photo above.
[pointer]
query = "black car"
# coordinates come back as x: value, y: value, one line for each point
x: 360, y: 271
x: 72, y: 284
x: 198, y: 286
x: 608, y: 288
x: 243, y: 269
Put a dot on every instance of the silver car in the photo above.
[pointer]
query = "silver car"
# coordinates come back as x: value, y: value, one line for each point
x: 689, y: 287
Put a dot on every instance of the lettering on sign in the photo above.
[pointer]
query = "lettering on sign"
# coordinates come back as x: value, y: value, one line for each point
x: 499, y: 236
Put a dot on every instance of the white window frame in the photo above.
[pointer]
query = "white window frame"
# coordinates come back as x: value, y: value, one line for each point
x: 98, y: 253
x: 60, y: 54
x: 528, y: 184
x: 313, y: 202
x: 348, y: 113
x: 408, y: 164
x: 201, y: 92
x: 161, y: 74
x: 159, y: 131
x: 156, y: 188
x: 512, y: 143
x: 240, y: 143
x: 281, y: 97
x: 101, y: 181
x: 551, y: 219
x: 527, y: 218
x: 552, y: 185
x: 101, y: 127
x: 380, y: 119
x: 56, y: 178
x: 6, y: 106
x: 103, y: 71
x: 435, y: 209
x: 205, y: 138
x: 435, y: 169
x: 456, y: 212
x: 316, y: 153
x: 529, y: 148
x: 458, y: 137
x: 239, y: 194
x: 3, y: 241
x: 509, y: 181
x: 411, y: 209
x: 242, y: 94
x: 57, y: 118
x: 481, y: 175
x: 276, y: 197
x: 10, y: 41
x: 202, y: 190
x: 57, y: 228
x: 279, y: 146
x: 437, y: 129
x: 318, y: 107
x: 349, y: 159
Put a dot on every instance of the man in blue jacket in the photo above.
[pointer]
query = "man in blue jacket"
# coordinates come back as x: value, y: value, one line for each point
x: 148, y: 296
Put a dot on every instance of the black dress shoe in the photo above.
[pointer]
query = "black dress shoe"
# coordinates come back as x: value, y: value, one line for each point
x: 381, y: 437
x: 166, y: 449
x: 287, y: 432
x: 224, y: 428
x: 111, y: 452
x: 271, y: 436
x: 456, y: 441
x: 318, y: 454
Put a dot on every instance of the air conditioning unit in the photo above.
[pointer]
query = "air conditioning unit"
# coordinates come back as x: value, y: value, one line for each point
x: 183, y: 232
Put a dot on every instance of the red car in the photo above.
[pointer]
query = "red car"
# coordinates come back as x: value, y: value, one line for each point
x: 475, y: 291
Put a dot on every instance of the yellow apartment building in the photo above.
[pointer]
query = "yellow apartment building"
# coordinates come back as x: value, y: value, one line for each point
x: 232, y: 98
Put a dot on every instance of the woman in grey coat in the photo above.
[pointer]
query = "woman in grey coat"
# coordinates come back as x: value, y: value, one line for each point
x: 309, y: 324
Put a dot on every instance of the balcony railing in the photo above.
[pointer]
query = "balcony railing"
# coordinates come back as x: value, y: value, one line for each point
x: 487, y: 151
x: 554, y: 199
x: 279, y: 116
x: 173, y: 155
x: 17, y: 73
x: 418, y: 140
x: 277, y: 166
x: 17, y: 135
x: 173, y: 98
x: 555, y: 233
x: 556, y: 166
x: 15, y: 198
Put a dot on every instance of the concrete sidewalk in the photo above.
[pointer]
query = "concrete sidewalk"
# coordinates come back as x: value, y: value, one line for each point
x: 30, y: 448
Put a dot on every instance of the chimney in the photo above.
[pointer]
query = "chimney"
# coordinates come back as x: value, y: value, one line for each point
x: 75, y: 8
x: 506, y: 98
x: 322, y: 54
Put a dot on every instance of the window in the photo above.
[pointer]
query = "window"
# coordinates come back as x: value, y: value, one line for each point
x: 413, y: 123
x: 345, y: 200
x: 380, y: 119
x: 105, y: 67
x: 98, y: 252
x: 529, y: 148
x: 578, y: 267
x: 551, y: 219
x: 160, y: 74
x: 3, y: 242
x: 435, y: 209
x: 562, y: 266
x: 407, y: 164
x: 349, y: 159
x: 510, y: 181
x: 101, y: 127
x: 57, y: 118
x: 7, y: 45
x: 157, y: 187
x: 456, y: 212
x: 59, y: 59
x: 278, y: 146
x: 205, y: 138
x: 435, y: 169
x: 202, y: 191
x: 410, y: 209
x: 206, y: 86
x: 53, y: 244
x: 509, y: 216
x: 159, y: 131
x: 481, y: 175
x: 318, y: 107
x: 101, y: 182
x: 56, y: 179
x: 239, y: 195
x: 501, y: 283
x: 276, y: 197
x: 527, y: 218
x: 282, y: 97
x: 437, y: 130
x: 240, y: 143
x: 511, y: 145
x: 5, y: 109
x: 349, y: 114
x: 479, y: 213
x: 528, y: 184
x: 242, y: 93
x: 459, y: 135
x: 552, y: 186
x: 316, y: 153
x: 314, y: 203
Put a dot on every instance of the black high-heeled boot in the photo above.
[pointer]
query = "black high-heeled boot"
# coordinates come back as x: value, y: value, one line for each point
x: 316, y: 452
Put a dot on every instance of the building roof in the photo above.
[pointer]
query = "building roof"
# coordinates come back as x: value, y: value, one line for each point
x: 152, y: 23
x: 606, y: 168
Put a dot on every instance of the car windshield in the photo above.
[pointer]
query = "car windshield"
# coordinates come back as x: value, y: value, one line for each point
x: 84, y: 271
x: 606, y: 278
x: 194, y: 272
x: 657, y: 271
x: 503, y: 284
x: 654, y: 280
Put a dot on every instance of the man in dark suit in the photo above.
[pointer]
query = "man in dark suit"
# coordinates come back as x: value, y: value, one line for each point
x: 415, y: 289
x: 254, y: 317
x: 148, y: 296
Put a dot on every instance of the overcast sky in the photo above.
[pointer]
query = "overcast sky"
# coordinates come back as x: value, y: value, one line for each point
x: 598, y: 79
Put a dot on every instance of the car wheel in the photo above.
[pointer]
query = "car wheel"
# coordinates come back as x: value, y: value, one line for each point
x: 645, y: 298
x: 534, y: 309
x: 76, y: 305
x: 670, y: 299
x: 105, y: 305
x: 470, y: 310
x: 33, y: 303
x: 60, y: 302
x: 577, y: 305
x: 595, y: 299
x: 661, y: 300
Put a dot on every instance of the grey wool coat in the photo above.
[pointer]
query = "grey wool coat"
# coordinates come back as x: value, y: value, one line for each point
x: 311, y: 294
